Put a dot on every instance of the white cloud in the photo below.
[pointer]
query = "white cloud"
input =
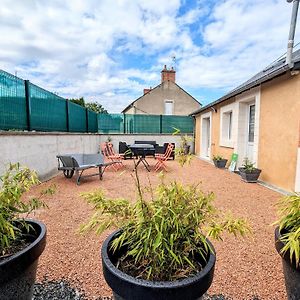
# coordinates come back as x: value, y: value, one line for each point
x: 80, y: 48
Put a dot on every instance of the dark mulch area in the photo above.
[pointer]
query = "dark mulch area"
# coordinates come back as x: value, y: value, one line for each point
x: 62, y: 289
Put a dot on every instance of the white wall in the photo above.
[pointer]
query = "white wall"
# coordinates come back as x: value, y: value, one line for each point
x: 38, y: 150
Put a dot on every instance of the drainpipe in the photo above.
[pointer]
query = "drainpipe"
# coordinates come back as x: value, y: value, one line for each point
x: 292, y: 32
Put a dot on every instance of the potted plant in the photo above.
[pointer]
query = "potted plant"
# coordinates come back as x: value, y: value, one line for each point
x: 219, y: 161
x: 248, y: 171
x: 162, y: 250
x: 287, y: 243
x: 21, y: 240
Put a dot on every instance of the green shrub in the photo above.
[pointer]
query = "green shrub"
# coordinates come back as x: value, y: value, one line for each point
x: 248, y: 165
x: 289, y: 225
x: 15, y: 182
x: 164, y: 234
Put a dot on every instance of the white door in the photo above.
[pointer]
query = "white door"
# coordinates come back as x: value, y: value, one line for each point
x: 205, y: 138
x: 250, y: 133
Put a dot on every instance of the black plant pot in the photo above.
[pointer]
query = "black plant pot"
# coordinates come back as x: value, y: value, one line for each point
x: 186, y: 150
x: 18, y: 272
x: 249, y: 176
x: 126, y: 287
x: 290, y: 270
x: 221, y: 163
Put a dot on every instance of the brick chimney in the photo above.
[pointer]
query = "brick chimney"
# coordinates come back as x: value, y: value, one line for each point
x: 168, y: 75
x: 147, y: 91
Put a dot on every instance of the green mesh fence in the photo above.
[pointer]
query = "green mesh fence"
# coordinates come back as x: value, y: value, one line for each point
x: 12, y: 102
x: 111, y: 123
x: 184, y: 123
x: 156, y: 124
x: 77, y: 118
x: 48, y: 111
x: 92, y: 121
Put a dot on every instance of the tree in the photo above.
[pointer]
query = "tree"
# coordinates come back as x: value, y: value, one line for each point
x: 93, y: 106
x: 96, y: 107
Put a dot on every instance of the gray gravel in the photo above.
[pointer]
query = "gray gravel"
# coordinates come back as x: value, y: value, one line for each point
x: 63, y: 290
x: 56, y: 290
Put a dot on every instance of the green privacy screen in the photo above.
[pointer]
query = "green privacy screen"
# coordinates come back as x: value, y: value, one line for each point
x: 12, y: 102
x: 92, y: 121
x: 48, y: 111
x: 156, y: 124
x: 77, y: 118
x: 25, y: 106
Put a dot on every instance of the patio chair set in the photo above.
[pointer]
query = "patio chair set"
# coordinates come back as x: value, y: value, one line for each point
x: 71, y: 163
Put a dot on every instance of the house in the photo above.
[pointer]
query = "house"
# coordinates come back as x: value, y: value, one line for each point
x: 167, y: 98
x: 260, y: 120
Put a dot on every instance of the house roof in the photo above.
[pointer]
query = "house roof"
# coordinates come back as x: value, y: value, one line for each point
x: 132, y: 103
x: 273, y: 70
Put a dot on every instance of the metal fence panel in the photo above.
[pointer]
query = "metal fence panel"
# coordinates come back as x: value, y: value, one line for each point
x: 184, y: 123
x: 48, y: 111
x: 111, y: 123
x: 12, y: 102
x: 92, y: 121
x: 77, y: 118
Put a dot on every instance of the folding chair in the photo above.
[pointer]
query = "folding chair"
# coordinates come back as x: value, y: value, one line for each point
x: 162, y: 158
x: 108, y: 151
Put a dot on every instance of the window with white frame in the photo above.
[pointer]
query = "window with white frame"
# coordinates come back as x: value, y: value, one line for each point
x: 226, y: 126
x: 169, y: 104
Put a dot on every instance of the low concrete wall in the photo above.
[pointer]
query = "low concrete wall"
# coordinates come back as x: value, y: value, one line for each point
x: 130, y: 138
x: 38, y: 150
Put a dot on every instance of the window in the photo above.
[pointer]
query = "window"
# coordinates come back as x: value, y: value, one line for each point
x: 227, y: 126
x: 169, y: 107
x: 251, y: 123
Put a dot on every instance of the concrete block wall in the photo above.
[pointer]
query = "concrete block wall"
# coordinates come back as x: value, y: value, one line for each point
x: 38, y: 150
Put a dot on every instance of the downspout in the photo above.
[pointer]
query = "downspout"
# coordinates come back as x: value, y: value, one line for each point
x: 292, y: 33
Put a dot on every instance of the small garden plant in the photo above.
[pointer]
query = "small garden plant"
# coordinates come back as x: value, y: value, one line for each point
x: 15, y: 182
x: 289, y: 226
x: 248, y: 166
x: 164, y: 235
x: 218, y: 157
x: 181, y: 152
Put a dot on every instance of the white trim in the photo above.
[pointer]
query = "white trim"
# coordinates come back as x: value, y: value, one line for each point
x: 207, y: 115
x: 297, y: 180
x: 223, y: 110
x: 242, y: 101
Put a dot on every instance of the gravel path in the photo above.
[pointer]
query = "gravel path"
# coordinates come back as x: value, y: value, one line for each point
x: 246, y: 269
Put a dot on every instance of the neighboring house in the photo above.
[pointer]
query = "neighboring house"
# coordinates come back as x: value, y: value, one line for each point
x: 260, y: 120
x: 168, y: 98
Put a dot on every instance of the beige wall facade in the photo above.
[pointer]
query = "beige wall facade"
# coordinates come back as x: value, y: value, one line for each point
x: 154, y: 101
x: 275, y: 146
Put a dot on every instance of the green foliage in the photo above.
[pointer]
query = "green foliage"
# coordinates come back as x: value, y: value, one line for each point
x: 96, y: 107
x: 248, y: 165
x: 218, y: 157
x: 163, y: 235
x: 79, y: 101
x: 182, y: 154
x: 289, y: 222
x: 93, y: 106
x: 15, y: 182
x: 51, y: 190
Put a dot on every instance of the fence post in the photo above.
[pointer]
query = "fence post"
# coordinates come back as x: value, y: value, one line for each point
x: 87, y: 119
x: 124, y: 122
x: 67, y: 115
x: 28, y: 104
x: 160, y: 123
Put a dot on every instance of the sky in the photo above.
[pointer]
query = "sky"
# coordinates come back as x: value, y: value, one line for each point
x: 109, y: 51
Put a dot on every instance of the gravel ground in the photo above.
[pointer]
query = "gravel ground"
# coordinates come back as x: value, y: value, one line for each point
x: 246, y: 269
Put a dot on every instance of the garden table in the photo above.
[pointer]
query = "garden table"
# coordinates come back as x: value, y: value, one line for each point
x: 140, y: 150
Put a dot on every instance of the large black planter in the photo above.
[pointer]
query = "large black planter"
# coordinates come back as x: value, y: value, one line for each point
x: 126, y: 287
x: 249, y: 176
x: 220, y: 163
x: 290, y: 270
x: 18, y: 272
